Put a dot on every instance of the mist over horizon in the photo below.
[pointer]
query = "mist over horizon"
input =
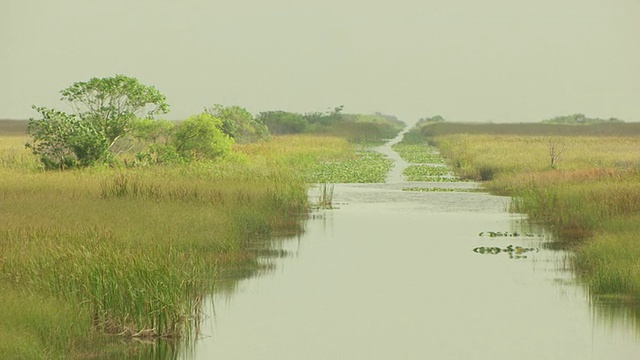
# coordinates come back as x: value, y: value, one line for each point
x: 497, y: 61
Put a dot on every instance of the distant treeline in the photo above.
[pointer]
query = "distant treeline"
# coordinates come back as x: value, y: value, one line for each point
x: 580, y: 119
x: 13, y: 127
x: 540, y: 129
x: 355, y: 127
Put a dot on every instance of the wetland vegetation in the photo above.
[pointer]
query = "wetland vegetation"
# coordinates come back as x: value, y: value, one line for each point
x: 116, y: 226
x: 580, y: 181
x: 125, y: 241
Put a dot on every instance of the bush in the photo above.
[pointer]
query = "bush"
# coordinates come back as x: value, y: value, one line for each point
x: 63, y: 141
x: 201, y: 137
x: 282, y: 122
x: 239, y: 124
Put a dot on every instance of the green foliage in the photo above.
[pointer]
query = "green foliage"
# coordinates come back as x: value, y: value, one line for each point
x: 239, y: 124
x: 158, y: 153
x: 283, y: 122
x: 130, y: 251
x: 106, y: 109
x: 357, y: 128
x: 609, y: 262
x: 152, y: 141
x: 366, y: 167
x: 320, y: 120
x: 366, y: 129
x: 201, y: 137
x: 111, y: 104
x: 154, y: 131
x: 63, y: 141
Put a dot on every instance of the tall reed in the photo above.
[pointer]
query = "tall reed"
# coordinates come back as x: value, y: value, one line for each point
x: 133, y: 251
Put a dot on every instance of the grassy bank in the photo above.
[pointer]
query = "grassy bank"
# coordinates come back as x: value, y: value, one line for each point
x: 583, y: 182
x: 90, y: 257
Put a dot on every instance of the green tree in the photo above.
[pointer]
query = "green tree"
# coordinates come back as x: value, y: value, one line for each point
x: 150, y: 139
x: 112, y: 104
x: 239, y: 123
x: 153, y: 131
x: 63, y: 141
x: 105, y: 110
x: 325, y: 119
x: 201, y: 137
x: 282, y: 122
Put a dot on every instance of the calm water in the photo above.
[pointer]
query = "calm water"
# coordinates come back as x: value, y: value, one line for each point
x: 393, y: 275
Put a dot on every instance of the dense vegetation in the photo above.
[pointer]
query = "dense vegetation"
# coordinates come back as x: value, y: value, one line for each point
x: 116, y: 225
x: 367, y: 129
x: 583, y: 182
x: 132, y: 250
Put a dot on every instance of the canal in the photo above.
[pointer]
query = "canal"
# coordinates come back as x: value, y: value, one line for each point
x: 393, y: 274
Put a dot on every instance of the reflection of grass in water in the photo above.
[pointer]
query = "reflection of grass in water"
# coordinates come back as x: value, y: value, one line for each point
x: 325, y: 199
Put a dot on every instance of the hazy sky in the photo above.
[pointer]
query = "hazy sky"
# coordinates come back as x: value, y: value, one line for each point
x: 468, y: 60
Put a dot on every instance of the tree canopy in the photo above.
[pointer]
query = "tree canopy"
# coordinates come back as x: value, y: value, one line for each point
x: 105, y: 109
x: 64, y: 141
x: 111, y: 104
x: 239, y: 123
x: 201, y: 137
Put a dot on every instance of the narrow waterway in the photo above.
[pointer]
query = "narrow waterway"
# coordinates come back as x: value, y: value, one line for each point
x: 392, y: 274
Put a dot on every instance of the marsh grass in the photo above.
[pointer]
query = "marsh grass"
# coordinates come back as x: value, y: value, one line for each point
x: 139, y: 264
x: 132, y: 252
x: 31, y: 325
x: 14, y: 155
x: 609, y: 261
x: 582, y: 182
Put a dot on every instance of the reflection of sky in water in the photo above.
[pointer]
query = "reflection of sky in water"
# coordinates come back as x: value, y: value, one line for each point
x: 392, y: 275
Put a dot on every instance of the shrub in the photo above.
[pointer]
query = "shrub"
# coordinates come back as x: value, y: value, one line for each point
x: 201, y: 137
x: 64, y: 141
